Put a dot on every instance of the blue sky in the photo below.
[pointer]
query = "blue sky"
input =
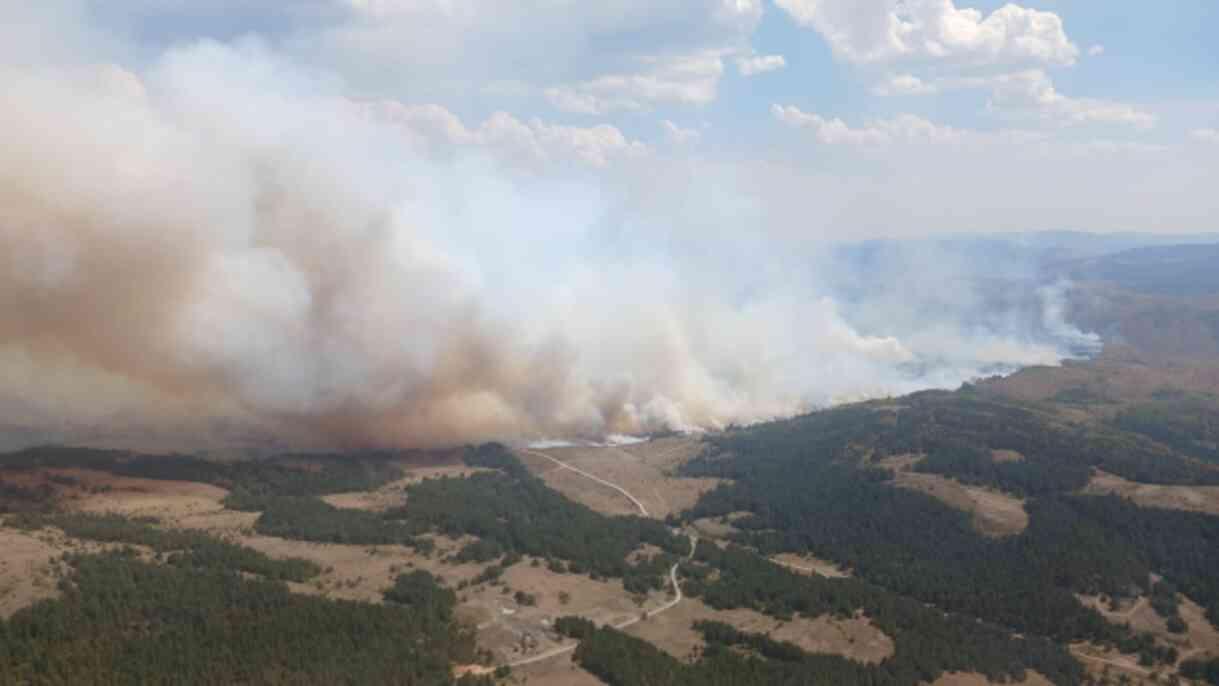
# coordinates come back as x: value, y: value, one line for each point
x: 1161, y: 57
x: 1046, y: 114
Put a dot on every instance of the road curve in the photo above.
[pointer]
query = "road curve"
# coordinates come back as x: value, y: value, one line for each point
x: 677, y: 596
x: 642, y: 509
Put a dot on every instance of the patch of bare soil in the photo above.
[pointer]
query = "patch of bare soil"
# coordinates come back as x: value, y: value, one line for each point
x: 972, y: 679
x: 587, y: 492
x: 512, y: 630
x: 175, y: 503
x: 994, y: 513
x: 807, y: 564
x: 390, y: 495
x: 717, y: 527
x: 166, y: 501
x: 1200, y: 637
x: 220, y: 522
x: 666, y: 453
x: 854, y: 638
x: 1191, y: 498
x: 647, y: 470
x: 509, y: 628
x: 1099, y: 661
x: 26, y: 571
x: 355, y: 572
x: 30, y: 566
x: 1005, y: 456
x: 900, y: 463
x: 561, y: 671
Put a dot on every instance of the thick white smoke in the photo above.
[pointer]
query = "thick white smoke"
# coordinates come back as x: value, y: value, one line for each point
x: 223, y: 242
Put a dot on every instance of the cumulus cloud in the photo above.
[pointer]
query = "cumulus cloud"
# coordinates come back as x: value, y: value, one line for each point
x: 684, y: 80
x: 390, y: 47
x: 886, y: 31
x: 905, y: 84
x: 1033, y: 92
x: 759, y: 64
x: 532, y: 142
x: 1025, y: 93
x: 678, y: 135
x: 904, y: 128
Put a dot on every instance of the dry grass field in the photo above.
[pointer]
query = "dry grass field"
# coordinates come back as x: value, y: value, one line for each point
x: 27, y: 573
x: 807, y: 564
x: 390, y: 495
x: 969, y: 679
x: 855, y: 638
x: 1191, y: 498
x: 511, y: 630
x: 994, y: 513
x: 30, y: 566
x: 1200, y: 637
x: 645, y: 469
x: 1111, y: 380
x: 561, y: 671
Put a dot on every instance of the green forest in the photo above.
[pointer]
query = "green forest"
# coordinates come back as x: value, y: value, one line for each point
x: 196, y: 609
x: 734, y: 658
x: 809, y: 486
x: 125, y: 621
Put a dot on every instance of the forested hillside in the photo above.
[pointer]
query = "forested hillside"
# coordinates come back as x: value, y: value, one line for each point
x: 814, y: 485
x: 170, y: 605
x: 125, y: 621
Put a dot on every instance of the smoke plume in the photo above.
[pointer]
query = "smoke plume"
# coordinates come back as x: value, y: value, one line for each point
x: 219, y: 241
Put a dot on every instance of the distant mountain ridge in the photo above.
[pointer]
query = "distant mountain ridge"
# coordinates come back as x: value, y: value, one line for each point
x: 1167, y: 270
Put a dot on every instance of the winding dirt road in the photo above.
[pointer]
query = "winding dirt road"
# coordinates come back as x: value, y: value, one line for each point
x: 642, y: 509
x: 677, y: 596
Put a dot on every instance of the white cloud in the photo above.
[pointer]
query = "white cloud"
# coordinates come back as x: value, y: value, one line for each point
x: 909, y: 130
x: 1025, y: 93
x: 904, y: 128
x: 1096, y: 50
x: 759, y: 64
x: 905, y: 84
x: 677, y: 135
x: 1206, y: 135
x: 1032, y: 92
x: 682, y: 79
x: 883, y: 31
x: 576, y: 49
x: 531, y: 142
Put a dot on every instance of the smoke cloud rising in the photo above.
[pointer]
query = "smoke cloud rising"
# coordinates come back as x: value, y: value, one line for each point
x: 221, y: 241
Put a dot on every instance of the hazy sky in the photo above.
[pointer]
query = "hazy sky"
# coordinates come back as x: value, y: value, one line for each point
x: 838, y: 117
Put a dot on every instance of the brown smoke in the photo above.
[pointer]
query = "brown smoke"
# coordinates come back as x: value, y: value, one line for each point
x: 222, y: 245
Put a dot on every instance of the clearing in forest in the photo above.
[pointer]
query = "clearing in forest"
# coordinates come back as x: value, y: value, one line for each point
x: 1191, y: 498
x: 994, y: 513
x: 854, y: 638
x: 647, y: 470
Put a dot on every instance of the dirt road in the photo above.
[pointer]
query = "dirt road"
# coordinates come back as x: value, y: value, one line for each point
x: 677, y: 596
x: 642, y: 509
